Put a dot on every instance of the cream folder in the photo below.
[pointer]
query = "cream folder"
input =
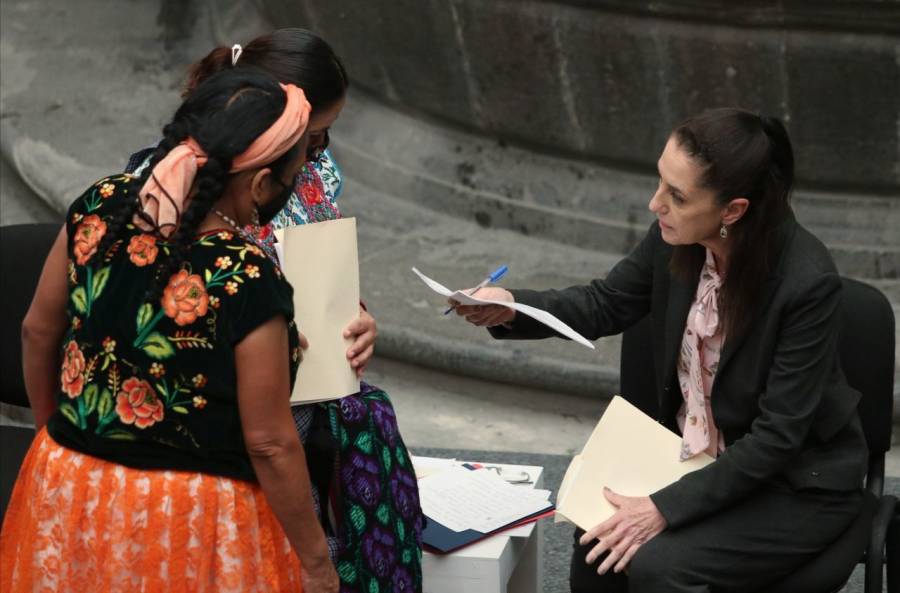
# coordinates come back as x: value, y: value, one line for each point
x: 628, y: 452
x: 320, y: 261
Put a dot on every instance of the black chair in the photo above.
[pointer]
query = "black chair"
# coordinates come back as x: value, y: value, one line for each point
x: 867, y: 356
x: 23, y: 249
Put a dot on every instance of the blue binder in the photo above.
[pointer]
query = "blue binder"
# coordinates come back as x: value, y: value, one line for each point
x: 443, y: 540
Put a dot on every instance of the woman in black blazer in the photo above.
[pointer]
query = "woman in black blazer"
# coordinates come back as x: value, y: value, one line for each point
x: 727, y: 261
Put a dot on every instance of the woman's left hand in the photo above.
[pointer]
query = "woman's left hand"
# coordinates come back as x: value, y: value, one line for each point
x: 635, y: 522
x: 363, y: 332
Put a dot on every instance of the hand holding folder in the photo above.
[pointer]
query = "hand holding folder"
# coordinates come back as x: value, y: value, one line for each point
x: 629, y: 453
x: 320, y: 261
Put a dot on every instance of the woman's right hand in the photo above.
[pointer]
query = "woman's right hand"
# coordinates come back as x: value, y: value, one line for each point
x: 488, y: 315
x: 319, y: 577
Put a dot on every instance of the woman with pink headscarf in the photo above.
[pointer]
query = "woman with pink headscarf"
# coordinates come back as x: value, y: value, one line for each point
x: 159, y: 355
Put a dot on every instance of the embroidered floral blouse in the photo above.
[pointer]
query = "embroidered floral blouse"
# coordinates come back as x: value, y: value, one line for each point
x: 153, y: 384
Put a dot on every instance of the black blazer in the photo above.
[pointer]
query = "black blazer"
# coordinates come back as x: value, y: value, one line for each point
x: 779, y: 397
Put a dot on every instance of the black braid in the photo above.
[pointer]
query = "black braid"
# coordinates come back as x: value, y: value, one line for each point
x: 173, y: 134
x: 224, y: 115
x: 211, y: 179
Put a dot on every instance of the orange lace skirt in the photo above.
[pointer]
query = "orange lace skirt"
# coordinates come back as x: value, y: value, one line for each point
x: 79, y: 524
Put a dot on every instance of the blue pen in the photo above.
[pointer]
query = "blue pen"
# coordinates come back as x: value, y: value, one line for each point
x: 495, y: 275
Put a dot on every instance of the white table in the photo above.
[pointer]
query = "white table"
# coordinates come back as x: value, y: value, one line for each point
x: 509, y: 562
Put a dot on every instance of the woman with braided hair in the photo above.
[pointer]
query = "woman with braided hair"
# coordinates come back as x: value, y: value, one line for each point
x: 358, y: 462
x: 159, y: 354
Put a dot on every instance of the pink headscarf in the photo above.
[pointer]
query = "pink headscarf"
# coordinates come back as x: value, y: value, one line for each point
x: 165, y: 195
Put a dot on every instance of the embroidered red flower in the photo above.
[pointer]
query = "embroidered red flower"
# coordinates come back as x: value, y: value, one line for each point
x: 87, y: 238
x: 73, y: 370
x: 312, y: 194
x: 185, y: 298
x: 137, y: 404
x: 142, y: 250
x: 107, y: 190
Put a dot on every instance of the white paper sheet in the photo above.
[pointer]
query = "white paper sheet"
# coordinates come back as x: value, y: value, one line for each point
x: 320, y: 261
x: 462, y: 499
x: 538, y: 314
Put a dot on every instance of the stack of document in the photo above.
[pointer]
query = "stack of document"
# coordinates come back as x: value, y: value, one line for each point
x: 465, y: 505
x: 628, y: 452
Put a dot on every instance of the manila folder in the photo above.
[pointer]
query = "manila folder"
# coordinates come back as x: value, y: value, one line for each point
x: 321, y: 263
x: 628, y: 452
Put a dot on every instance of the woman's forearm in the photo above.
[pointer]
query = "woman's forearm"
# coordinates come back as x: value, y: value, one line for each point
x: 40, y: 366
x: 281, y: 470
x: 43, y: 330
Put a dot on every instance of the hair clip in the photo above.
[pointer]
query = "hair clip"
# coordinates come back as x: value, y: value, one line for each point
x: 236, y: 51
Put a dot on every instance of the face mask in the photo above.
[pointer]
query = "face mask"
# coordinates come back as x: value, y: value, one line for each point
x: 270, y: 209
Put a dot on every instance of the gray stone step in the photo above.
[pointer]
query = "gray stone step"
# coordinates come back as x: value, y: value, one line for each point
x: 574, y: 202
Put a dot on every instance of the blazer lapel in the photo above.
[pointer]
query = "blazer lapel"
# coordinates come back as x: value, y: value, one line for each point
x: 733, y: 343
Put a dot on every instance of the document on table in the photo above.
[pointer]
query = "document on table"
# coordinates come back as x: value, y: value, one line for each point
x: 321, y: 263
x: 628, y: 452
x: 540, y: 315
x: 462, y: 499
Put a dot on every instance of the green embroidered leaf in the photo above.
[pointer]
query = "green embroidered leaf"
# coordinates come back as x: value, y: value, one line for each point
x: 364, y: 442
x: 207, y: 243
x: 99, y: 282
x: 157, y: 346
x: 238, y: 279
x: 79, y: 299
x: 401, y: 458
x: 145, y: 314
x: 90, y: 398
x: 69, y: 412
x: 104, y: 404
x: 345, y: 441
x: 383, y: 514
x: 406, y: 558
x: 358, y: 518
x: 401, y: 530
x: 180, y: 409
x: 347, y: 572
x: 207, y: 276
x: 120, y: 435
x: 373, y: 586
x: 386, y: 458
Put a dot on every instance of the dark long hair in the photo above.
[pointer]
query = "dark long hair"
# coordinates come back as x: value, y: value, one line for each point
x: 294, y: 56
x: 225, y: 114
x: 742, y: 155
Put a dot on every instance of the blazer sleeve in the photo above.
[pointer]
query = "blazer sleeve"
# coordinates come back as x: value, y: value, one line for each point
x: 803, y: 359
x: 601, y: 308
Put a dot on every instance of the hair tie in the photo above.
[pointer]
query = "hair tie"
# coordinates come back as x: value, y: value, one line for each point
x: 236, y: 51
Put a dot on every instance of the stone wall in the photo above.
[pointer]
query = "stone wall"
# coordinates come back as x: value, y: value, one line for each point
x: 605, y: 80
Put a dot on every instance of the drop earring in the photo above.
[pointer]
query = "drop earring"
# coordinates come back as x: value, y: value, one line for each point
x: 723, y: 232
